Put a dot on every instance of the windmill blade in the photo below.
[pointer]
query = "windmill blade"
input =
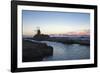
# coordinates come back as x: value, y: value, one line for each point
x: 38, y: 27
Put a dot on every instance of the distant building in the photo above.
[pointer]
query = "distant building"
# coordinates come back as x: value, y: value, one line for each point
x: 38, y: 32
x: 40, y: 36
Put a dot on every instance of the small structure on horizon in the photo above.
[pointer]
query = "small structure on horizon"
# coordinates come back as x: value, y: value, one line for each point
x: 40, y: 36
x: 38, y: 31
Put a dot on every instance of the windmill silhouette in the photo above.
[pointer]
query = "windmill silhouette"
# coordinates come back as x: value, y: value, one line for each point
x: 38, y: 31
x: 40, y: 36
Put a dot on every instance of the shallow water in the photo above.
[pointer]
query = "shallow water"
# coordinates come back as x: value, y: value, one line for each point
x: 67, y: 51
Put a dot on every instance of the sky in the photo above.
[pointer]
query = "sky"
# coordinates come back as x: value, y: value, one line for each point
x: 52, y: 22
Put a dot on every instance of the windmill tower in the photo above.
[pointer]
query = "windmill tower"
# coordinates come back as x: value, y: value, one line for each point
x: 38, y: 31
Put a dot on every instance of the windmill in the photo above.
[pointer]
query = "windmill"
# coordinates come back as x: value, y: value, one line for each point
x: 38, y: 31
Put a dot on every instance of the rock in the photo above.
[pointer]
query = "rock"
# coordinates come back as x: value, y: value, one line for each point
x: 35, y: 51
x: 41, y: 37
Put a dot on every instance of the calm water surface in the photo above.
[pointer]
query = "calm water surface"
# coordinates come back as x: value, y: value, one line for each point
x: 67, y: 52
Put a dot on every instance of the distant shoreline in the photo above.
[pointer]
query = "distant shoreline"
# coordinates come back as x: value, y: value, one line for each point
x: 69, y: 40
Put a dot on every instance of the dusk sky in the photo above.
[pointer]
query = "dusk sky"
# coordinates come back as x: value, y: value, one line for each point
x: 55, y: 22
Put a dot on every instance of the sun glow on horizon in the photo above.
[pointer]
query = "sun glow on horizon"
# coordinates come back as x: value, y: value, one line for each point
x: 68, y: 30
x: 74, y: 32
x: 55, y: 23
